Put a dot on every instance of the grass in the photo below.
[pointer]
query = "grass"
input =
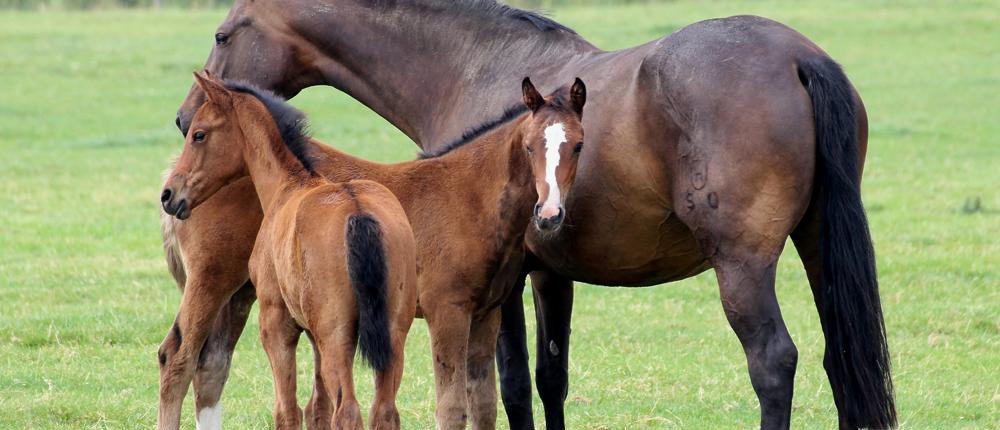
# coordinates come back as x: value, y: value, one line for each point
x: 86, y: 112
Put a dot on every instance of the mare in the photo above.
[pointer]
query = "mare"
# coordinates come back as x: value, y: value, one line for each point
x: 470, y: 250
x: 335, y: 259
x: 709, y: 147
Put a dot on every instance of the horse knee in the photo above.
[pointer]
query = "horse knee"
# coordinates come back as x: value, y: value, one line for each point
x: 551, y: 379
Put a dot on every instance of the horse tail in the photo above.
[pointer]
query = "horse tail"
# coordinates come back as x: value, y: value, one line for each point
x: 366, y: 266
x: 857, y: 353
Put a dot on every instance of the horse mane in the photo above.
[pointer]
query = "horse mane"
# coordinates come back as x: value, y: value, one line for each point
x: 292, y: 123
x: 540, y: 21
x: 557, y: 99
x: 490, y: 9
x: 474, y: 133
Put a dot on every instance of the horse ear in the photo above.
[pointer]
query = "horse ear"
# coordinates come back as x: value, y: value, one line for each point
x: 214, y: 90
x: 532, y: 99
x: 578, y: 96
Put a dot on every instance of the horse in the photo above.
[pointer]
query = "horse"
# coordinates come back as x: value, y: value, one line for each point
x: 727, y: 137
x: 335, y: 259
x: 470, y: 249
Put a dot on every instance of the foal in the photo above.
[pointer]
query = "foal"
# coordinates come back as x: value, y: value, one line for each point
x: 318, y: 241
x: 469, y: 206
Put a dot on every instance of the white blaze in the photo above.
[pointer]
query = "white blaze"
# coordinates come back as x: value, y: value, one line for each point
x: 555, y: 136
x: 209, y: 418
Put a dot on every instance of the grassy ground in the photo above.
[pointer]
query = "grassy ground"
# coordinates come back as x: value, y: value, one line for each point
x: 86, y: 109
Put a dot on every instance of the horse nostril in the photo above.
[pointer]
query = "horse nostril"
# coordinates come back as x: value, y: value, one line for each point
x: 538, y: 209
x: 177, y: 120
x: 165, y: 197
x: 559, y: 216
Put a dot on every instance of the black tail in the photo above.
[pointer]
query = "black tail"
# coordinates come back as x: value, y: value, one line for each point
x: 857, y: 354
x: 369, y: 277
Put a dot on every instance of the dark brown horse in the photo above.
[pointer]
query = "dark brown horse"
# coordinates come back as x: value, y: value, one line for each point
x: 470, y: 250
x: 336, y: 259
x: 709, y: 147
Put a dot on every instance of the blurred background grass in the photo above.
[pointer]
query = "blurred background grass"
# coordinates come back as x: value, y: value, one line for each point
x: 86, y: 127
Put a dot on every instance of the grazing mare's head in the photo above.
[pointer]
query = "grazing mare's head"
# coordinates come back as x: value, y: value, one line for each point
x: 215, y: 150
x: 553, y: 139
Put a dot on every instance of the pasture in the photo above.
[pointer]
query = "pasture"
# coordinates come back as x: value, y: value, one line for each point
x: 87, y: 102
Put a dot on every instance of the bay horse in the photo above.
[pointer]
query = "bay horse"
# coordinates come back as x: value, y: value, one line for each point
x: 709, y: 147
x: 335, y: 259
x: 470, y: 250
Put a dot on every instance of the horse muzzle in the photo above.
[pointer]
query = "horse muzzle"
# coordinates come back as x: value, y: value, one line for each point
x: 176, y: 207
x: 549, y: 218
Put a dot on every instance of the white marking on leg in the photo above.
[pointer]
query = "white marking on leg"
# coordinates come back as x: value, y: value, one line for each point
x: 210, y: 418
x: 555, y: 136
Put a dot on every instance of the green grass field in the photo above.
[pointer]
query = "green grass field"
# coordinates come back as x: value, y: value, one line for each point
x: 86, y: 128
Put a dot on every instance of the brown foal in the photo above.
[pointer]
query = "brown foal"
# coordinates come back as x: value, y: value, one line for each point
x: 319, y: 241
x: 470, y: 248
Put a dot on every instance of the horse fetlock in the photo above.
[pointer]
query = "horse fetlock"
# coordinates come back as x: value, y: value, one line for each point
x: 384, y: 417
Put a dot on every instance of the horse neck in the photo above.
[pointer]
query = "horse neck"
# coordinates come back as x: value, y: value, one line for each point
x: 271, y: 166
x: 431, y: 80
x: 493, y: 170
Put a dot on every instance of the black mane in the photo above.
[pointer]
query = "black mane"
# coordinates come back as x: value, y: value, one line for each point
x: 558, y: 100
x: 472, y: 134
x: 536, y: 19
x: 291, y: 122
x: 489, y: 9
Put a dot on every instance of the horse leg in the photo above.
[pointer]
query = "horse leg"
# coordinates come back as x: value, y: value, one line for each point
x: 337, y: 348
x: 746, y: 283
x: 481, y: 377
x: 204, y: 294
x: 384, y: 414
x: 553, y: 296
x: 319, y: 410
x: 279, y: 335
x: 512, y: 361
x: 216, y: 357
x: 449, y: 329
x: 806, y: 238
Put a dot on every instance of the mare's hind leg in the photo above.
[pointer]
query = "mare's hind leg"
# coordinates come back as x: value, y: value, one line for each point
x: 279, y: 334
x: 481, y: 379
x: 216, y: 357
x: 746, y: 283
x: 807, y: 243
x: 741, y: 216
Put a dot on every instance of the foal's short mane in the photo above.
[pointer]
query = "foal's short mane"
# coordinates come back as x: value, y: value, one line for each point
x: 291, y: 122
x: 559, y: 100
x: 474, y: 133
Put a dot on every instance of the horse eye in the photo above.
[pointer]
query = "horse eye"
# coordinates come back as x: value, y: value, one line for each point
x: 530, y: 151
x: 221, y: 38
x: 199, y: 136
x: 578, y: 148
